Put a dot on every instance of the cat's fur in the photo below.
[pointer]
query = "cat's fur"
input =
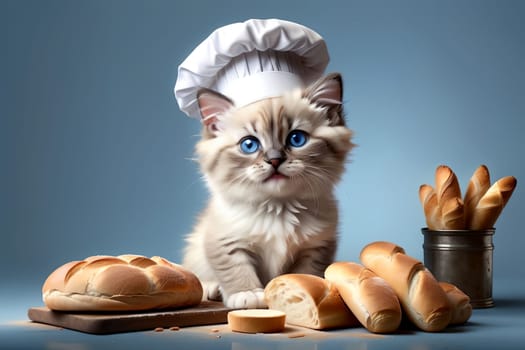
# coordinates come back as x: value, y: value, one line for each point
x: 256, y: 227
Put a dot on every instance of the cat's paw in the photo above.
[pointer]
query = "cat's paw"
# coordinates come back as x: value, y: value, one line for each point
x: 211, y: 291
x: 250, y: 299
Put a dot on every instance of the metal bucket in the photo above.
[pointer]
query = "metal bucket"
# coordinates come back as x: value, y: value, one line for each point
x: 463, y: 258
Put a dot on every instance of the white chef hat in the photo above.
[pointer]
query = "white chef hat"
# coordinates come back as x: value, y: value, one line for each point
x: 250, y: 61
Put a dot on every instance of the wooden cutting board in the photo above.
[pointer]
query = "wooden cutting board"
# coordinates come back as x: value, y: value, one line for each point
x: 204, y: 314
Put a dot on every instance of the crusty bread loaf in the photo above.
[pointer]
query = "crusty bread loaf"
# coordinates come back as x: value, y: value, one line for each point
x: 459, y: 301
x: 368, y: 296
x: 428, y: 198
x: 492, y: 203
x: 256, y: 320
x: 421, y: 297
x: 124, y: 283
x: 478, y: 185
x: 308, y: 301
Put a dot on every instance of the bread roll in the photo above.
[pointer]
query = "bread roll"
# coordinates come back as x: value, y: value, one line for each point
x: 492, y: 203
x: 428, y: 198
x: 421, y: 297
x: 256, y: 321
x: 478, y: 185
x: 308, y: 301
x: 123, y: 283
x: 459, y: 301
x: 368, y: 296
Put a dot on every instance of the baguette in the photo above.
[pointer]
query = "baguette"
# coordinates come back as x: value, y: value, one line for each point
x: 452, y: 214
x: 448, y: 198
x: 421, y: 297
x: 447, y: 185
x: 368, y: 296
x: 459, y: 301
x: 122, y: 283
x: 308, y: 301
x: 492, y: 203
x: 478, y: 185
x: 428, y: 198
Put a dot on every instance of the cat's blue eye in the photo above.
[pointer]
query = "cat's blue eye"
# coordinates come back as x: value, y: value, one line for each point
x: 297, y: 138
x: 249, y: 145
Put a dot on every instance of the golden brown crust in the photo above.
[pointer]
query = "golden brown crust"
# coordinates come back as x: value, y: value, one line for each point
x: 506, y: 186
x: 423, y: 300
x: 447, y: 185
x: 127, y: 282
x: 492, y: 203
x: 460, y: 302
x: 452, y: 214
x: 449, y: 199
x: 478, y: 185
x: 368, y: 296
x: 445, y: 209
x: 429, y: 201
x: 308, y: 301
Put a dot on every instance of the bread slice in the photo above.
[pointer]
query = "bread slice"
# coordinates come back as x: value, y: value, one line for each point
x: 256, y: 321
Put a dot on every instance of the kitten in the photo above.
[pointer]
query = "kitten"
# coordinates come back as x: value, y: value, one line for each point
x: 271, y: 168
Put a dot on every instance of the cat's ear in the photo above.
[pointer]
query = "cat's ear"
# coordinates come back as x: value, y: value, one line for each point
x: 213, y: 106
x: 328, y: 92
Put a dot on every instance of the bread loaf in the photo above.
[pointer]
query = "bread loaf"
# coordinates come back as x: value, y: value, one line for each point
x: 478, y: 185
x: 308, y: 301
x: 123, y: 283
x: 421, y: 297
x: 459, y: 301
x: 368, y: 296
x: 492, y: 203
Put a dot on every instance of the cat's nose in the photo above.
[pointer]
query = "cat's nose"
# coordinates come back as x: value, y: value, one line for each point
x: 275, y: 162
x: 274, y: 157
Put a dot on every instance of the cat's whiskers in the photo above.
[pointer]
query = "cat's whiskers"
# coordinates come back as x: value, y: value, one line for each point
x: 321, y: 173
x: 312, y: 192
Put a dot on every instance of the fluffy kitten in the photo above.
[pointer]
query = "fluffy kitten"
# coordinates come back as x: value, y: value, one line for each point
x: 271, y: 167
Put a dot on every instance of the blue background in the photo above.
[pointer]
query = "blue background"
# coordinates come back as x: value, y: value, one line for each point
x: 95, y: 154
